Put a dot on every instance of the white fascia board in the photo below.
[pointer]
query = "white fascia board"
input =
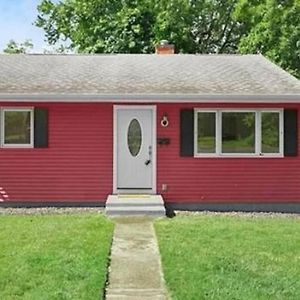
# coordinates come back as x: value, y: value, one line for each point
x: 147, y: 98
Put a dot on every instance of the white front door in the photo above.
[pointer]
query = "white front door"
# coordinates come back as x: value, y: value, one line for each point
x: 134, y: 149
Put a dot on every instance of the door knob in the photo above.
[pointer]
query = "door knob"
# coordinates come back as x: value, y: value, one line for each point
x: 148, y: 161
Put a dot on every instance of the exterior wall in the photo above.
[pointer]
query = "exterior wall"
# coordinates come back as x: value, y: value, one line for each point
x: 223, y: 180
x: 77, y: 165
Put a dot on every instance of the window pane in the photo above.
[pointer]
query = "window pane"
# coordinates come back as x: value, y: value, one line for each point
x: 206, y: 132
x: 17, y: 127
x: 238, y: 132
x: 270, y: 132
x: 134, y: 137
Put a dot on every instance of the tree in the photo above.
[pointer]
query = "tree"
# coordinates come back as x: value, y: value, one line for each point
x: 99, y: 26
x: 270, y: 27
x: 16, y: 48
x: 194, y: 26
x: 134, y: 26
x: 273, y: 29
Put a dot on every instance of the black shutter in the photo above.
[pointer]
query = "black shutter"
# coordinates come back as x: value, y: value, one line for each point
x: 290, y: 132
x: 40, y: 128
x: 187, y: 132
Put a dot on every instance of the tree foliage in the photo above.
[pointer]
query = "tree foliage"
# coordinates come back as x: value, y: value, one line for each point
x: 134, y: 26
x: 99, y: 26
x: 16, y: 48
x: 270, y: 27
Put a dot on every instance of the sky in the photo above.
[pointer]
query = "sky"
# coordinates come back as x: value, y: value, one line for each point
x: 16, y: 22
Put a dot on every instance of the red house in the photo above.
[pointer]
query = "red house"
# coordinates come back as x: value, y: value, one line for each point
x: 204, y: 131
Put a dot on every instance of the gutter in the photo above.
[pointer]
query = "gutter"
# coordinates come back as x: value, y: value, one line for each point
x: 150, y: 98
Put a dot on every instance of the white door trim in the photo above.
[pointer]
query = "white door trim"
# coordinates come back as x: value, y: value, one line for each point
x: 115, y: 156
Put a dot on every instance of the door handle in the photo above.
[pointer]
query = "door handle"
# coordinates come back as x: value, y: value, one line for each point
x: 148, y: 161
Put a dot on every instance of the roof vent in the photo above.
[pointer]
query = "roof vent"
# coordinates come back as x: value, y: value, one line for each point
x: 164, y: 48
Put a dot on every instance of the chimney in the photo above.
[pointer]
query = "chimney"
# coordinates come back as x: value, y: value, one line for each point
x: 164, y: 48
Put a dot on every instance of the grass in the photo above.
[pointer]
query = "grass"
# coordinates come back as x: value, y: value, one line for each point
x: 54, y: 256
x: 230, y: 257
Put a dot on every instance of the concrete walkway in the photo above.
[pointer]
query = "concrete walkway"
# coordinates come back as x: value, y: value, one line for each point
x: 135, y: 269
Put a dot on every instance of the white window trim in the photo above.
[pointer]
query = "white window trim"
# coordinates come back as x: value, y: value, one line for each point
x: 258, y: 153
x: 217, y: 132
x: 2, y: 132
x: 281, y: 133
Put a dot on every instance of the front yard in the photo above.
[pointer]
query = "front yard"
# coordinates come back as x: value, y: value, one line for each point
x: 204, y: 256
x: 231, y: 257
x: 54, y: 256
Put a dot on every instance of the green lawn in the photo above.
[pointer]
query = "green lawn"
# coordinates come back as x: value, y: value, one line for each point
x: 230, y: 257
x: 54, y: 256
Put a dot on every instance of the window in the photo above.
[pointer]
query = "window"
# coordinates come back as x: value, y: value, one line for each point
x: 238, y: 133
x: 270, y: 137
x: 134, y: 137
x: 16, y: 127
x: 206, y: 132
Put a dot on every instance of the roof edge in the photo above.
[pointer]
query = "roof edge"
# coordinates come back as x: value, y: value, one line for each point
x: 139, y: 98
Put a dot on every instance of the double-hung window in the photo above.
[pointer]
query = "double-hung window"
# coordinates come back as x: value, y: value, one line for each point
x: 16, y: 127
x: 238, y: 132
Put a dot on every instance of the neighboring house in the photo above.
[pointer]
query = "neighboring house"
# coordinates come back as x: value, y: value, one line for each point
x: 204, y: 131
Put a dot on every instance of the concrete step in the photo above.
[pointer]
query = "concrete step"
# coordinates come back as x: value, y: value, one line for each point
x: 135, y: 211
x: 132, y: 205
x: 134, y: 200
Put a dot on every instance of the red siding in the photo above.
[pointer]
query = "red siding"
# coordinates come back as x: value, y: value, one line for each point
x: 77, y: 166
x: 223, y: 179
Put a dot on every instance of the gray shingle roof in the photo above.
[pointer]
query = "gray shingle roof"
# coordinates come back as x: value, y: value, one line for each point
x: 165, y: 76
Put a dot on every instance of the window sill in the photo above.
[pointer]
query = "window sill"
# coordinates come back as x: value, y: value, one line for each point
x: 16, y: 146
x: 240, y: 156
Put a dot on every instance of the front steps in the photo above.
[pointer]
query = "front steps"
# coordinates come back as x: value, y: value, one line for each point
x: 135, y: 205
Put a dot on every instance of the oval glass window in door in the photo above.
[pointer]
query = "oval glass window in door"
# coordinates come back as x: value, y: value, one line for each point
x: 134, y: 137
